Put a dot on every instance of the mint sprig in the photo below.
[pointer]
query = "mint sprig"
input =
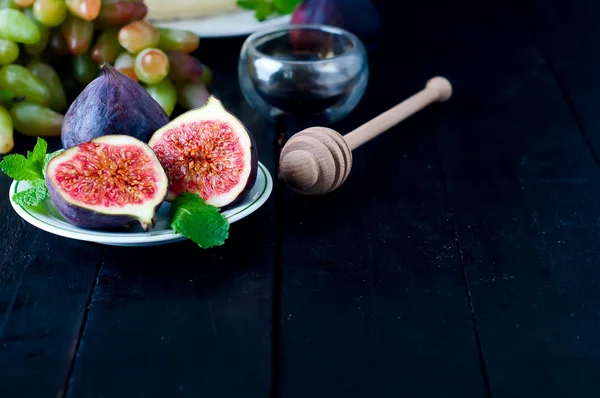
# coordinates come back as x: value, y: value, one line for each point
x: 263, y: 9
x: 30, y: 169
x: 199, y: 221
x: 32, y: 196
x: 190, y: 215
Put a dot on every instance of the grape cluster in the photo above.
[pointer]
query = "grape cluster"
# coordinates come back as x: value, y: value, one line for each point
x: 38, y: 38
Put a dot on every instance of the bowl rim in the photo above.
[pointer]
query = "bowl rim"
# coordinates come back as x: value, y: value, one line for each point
x: 357, y: 49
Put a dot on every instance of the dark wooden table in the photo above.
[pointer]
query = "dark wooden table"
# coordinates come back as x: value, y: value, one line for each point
x: 460, y: 259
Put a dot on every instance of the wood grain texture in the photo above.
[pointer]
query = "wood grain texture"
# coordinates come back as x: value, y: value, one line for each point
x: 464, y: 263
x: 567, y: 35
x: 176, y: 320
x: 521, y: 184
x: 45, y: 282
x: 315, y: 161
x: 521, y: 180
x: 373, y: 296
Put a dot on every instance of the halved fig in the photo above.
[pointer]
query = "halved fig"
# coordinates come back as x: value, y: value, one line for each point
x: 207, y: 151
x: 108, y: 182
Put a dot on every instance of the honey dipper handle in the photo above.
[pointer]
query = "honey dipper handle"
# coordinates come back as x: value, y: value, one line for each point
x: 438, y: 89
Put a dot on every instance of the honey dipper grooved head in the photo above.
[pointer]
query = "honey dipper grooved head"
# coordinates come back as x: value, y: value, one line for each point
x: 299, y: 169
x: 315, y: 161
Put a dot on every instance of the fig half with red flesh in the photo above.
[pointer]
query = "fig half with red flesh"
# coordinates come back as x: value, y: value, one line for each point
x: 109, y: 182
x: 207, y: 151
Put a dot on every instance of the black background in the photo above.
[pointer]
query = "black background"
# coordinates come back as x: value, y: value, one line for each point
x: 459, y: 259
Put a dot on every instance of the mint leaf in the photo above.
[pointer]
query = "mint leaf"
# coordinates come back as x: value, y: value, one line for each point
x: 32, y: 196
x: 248, y: 4
x: 192, y: 217
x: 263, y: 10
x: 286, y: 6
x: 39, y: 151
x: 38, y: 156
x: 19, y: 168
x: 30, y: 168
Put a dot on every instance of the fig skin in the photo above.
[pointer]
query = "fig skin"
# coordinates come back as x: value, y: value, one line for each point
x: 251, y: 178
x: 213, y: 109
x: 112, y: 104
x: 91, y: 219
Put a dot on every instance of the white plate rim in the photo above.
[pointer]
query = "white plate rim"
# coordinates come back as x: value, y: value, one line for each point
x: 136, y: 238
x: 202, y: 26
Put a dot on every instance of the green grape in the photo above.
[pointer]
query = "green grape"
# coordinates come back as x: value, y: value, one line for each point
x: 50, y: 13
x: 22, y: 82
x: 47, y: 74
x: 24, y: 3
x: 9, y: 52
x: 165, y: 94
x: 107, y: 47
x: 78, y: 34
x: 177, y: 40
x: 85, y: 9
x: 151, y: 65
x: 57, y: 42
x: 8, y: 4
x: 84, y: 68
x: 191, y: 94
x: 114, y: 14
x: 7, y: 141
x: 138, y: 35
x: 124, y: 60
x: 7, y: 98
x: 207, y: 76
x: 15, y: 26
x: 39, y: 46
x: 36, y: 120
x: 125, y: 64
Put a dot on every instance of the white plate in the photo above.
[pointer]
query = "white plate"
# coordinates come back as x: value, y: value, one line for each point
x: 46, y: 217
x: 224, y: 25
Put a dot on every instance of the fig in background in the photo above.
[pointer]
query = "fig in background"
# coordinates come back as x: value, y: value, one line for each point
x: 112, y: 104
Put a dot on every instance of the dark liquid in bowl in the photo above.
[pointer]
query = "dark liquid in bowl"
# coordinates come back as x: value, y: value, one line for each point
x: 304, y: 95
x: 301, y: 104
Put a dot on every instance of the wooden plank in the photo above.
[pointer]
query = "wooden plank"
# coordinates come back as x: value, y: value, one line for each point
x: 373, y: 296
x: 45, y: 282
x: 567, y: 35
x: 523, y: 187
x: 193, y: 322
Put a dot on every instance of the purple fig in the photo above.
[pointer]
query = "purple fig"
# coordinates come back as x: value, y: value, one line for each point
x: 209, y: 152
x: 108, y: 182
x: 112, y: 104
x: 360, y: 17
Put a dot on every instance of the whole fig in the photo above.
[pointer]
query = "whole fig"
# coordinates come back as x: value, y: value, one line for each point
x: 112, y: 104
x: 360, y: 17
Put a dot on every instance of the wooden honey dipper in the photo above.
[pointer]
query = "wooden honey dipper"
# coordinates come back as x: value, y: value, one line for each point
x: 317, y: 160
